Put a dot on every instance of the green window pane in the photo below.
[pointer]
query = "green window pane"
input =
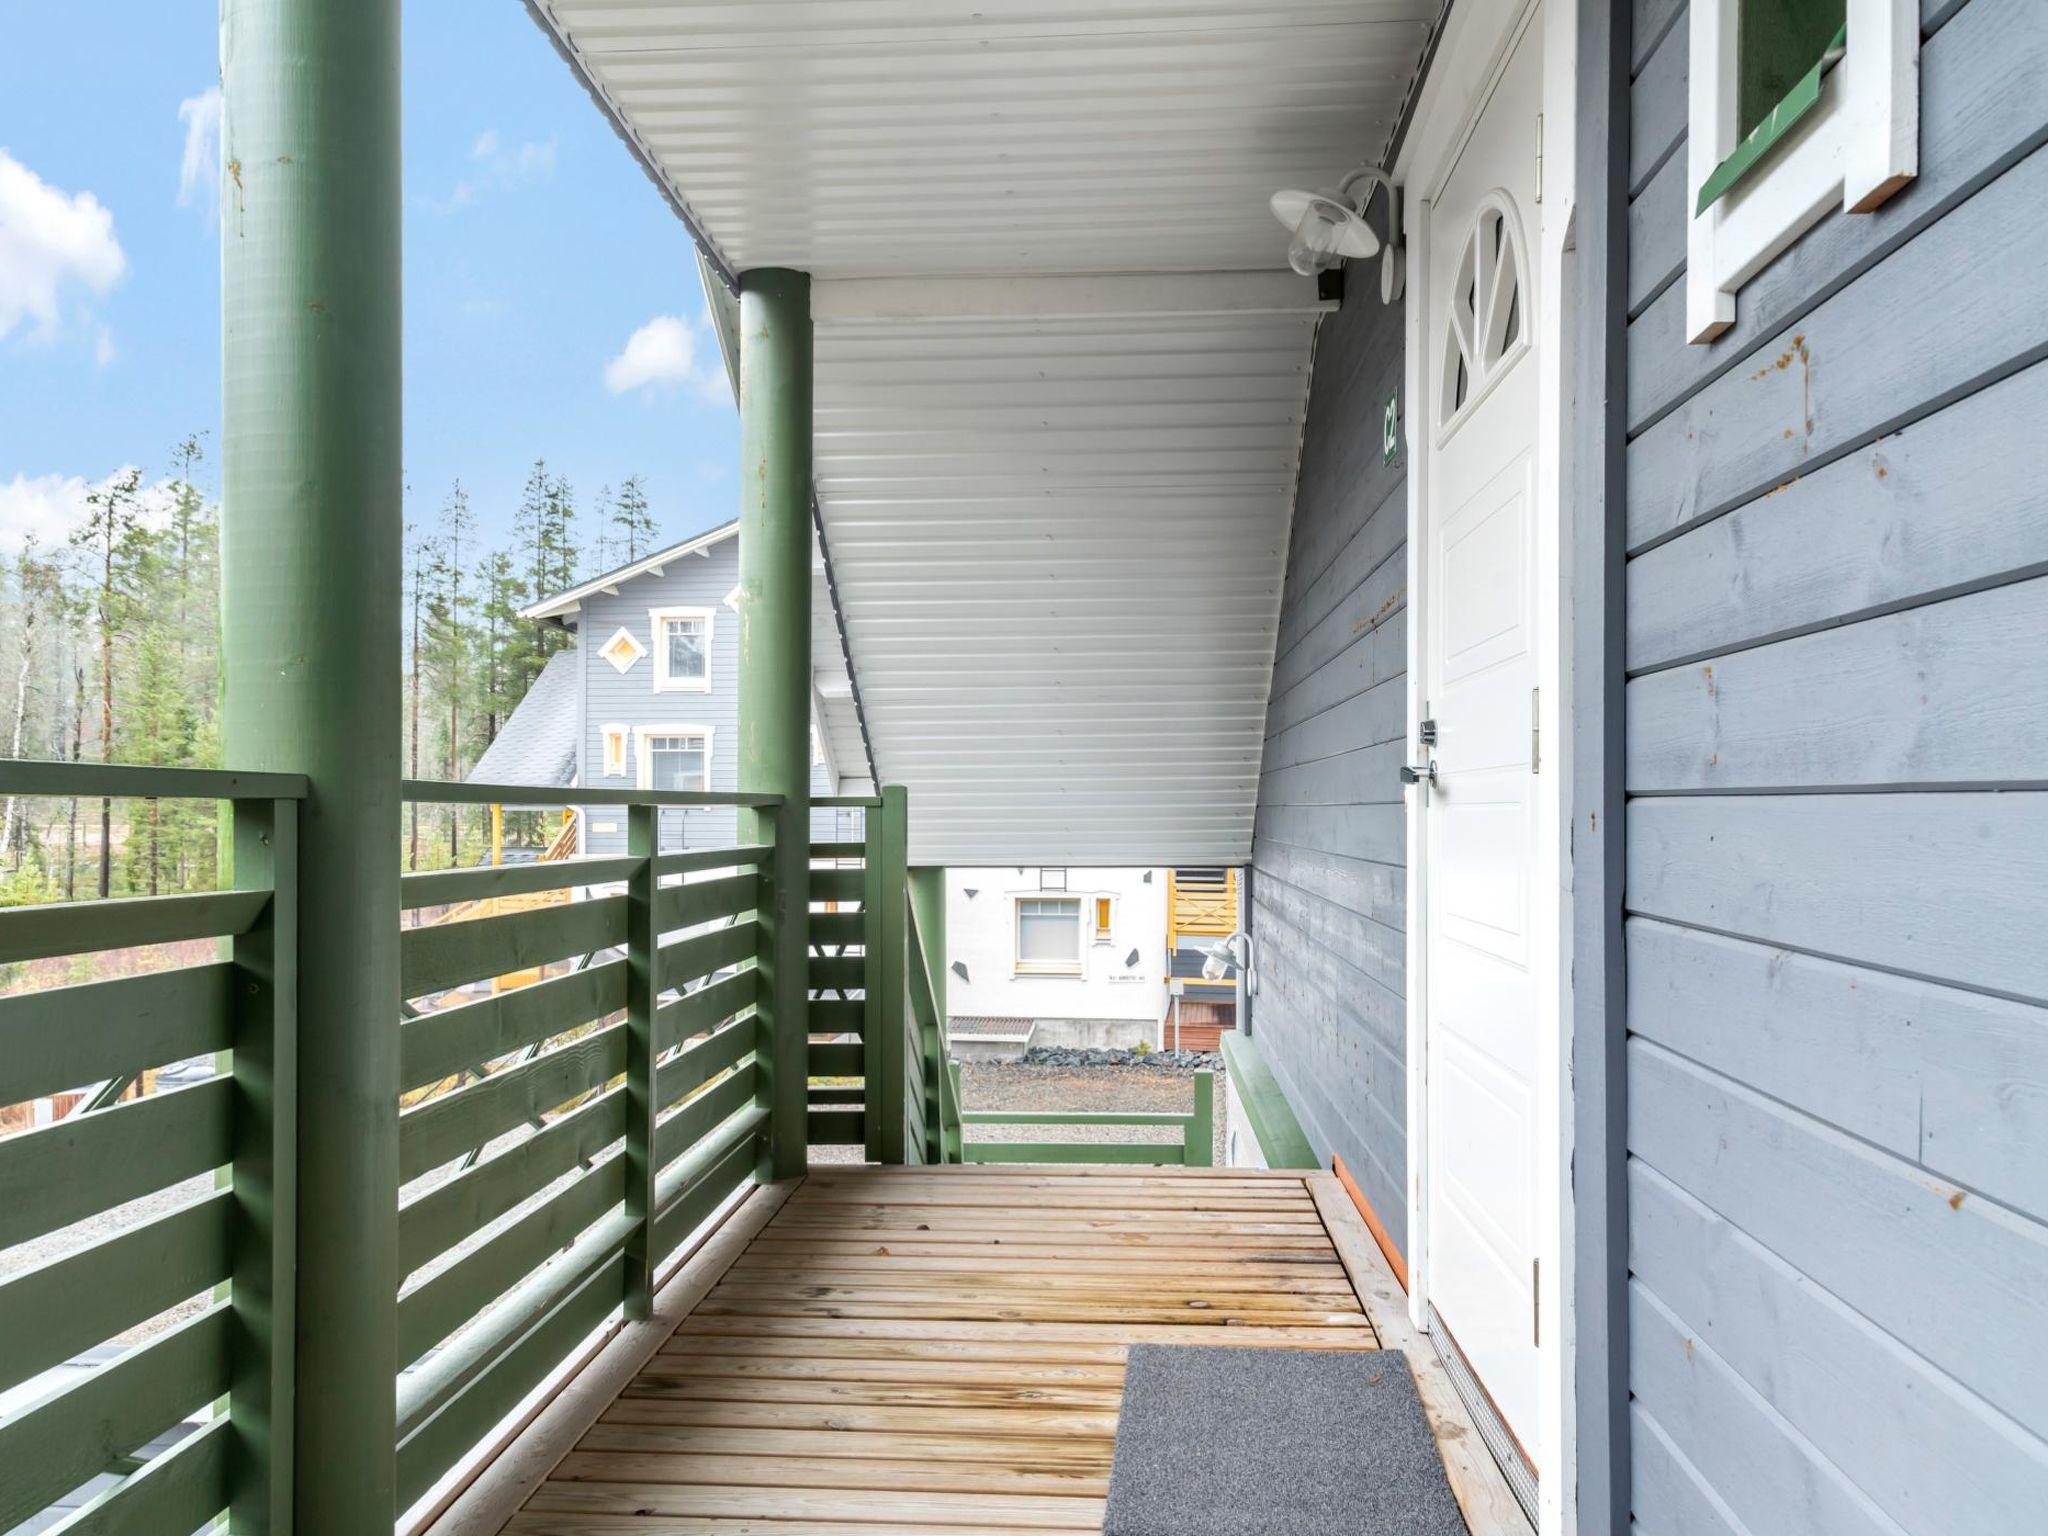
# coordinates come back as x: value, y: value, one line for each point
x: 1777, y: 42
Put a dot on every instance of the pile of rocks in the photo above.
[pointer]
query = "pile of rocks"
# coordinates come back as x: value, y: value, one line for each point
x: 1150, y: 1061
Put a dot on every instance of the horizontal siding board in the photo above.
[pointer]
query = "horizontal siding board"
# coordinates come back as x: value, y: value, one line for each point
x: 1961, y: 1278
x: 1939, y: 507
x: 1378, y: 714
x: 1953, y: 693
x: 1667, y: 1492
x: 1952, y: 1080
x: 1371, y: 657
x: 1951, y: 887
x: 1769, y: 1476
x: 1335, y: 780
x: 1865, y: 362
x: 1375, y: 891
x: 1657, y: 220
x: 1376, y: 831
x: 1649, y: 20
x: 1657, y: 110
x: 1980, y: 113
x: 1930, y: 1455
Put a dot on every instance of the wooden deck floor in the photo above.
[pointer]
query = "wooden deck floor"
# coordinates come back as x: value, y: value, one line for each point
x: 940, y: 1352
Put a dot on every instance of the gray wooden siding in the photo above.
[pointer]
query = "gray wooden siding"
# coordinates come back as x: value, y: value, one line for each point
x: 1329, y: 848
x: 629, y: 698
x: 1837, y: 841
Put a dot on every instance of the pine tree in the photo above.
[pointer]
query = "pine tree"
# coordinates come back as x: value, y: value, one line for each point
x: 633, y: 521
x: 109, y: 539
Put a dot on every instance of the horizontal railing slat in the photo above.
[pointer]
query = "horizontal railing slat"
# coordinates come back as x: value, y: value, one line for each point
x: 85, y: 927
x: 446, y: 1214
x: 836, y: 929
x: 438, y: 1045
x: 837, y: 1015
x: 441, y: 1440
x: 696, y: 1064
x: 1073, y: 1117
x: 706, y: 1008
x: 127, y: 781
x: 837, y: 973
x: 438, y: 1306
x: 79, y: 1300
x: 181, y: 1490
x: 446, y: 887
x: 839, y: 1059
x: 86, y: 1163
x: 846, y: 802
x: 837, y: 884
x: 451, y: 954
x: 704, y: 901
x: 837, y: 1127
x: 839, y: 850
x: 691, y: 1187
x: 74, y: 1434
x: 690, y: 860
x: 682, y: 1130
x: 67, y: 1037
x: 435, y: 792
x: 1164, y: 1152
x: 685, y: 960
x: 468, y: 1118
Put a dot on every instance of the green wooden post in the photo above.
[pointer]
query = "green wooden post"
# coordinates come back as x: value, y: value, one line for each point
x: 265, y: 851
x: 311, y: 478
x: 643, y: 987
x: 775, y: 675
x: 927, y: 889
x: 887, y: 1016
x: 1198, y: 1141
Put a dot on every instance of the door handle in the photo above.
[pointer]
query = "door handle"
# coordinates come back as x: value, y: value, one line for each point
x: 1422, y: 774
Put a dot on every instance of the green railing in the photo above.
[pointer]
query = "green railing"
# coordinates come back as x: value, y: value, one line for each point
x: 232, y: 1245
x: 1196, y: 1147
x: 560, y: 1139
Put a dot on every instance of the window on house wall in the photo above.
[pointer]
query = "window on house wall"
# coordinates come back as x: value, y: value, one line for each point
x: 614, y: 751
x: 622, y: 650
x: 1049, y: 935
x: 675, y: 758
x: 1104, y: 909
x: 1795, y: 106
x: 682, y: 649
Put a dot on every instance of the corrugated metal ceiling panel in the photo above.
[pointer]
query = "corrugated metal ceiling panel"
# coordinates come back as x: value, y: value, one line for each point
x: 1057, y: 537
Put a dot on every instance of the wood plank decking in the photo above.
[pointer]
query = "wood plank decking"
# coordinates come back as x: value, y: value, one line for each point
x: 942, y: 1351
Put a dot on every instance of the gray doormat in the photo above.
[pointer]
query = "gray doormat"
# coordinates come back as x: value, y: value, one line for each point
x: 1275, y: 1442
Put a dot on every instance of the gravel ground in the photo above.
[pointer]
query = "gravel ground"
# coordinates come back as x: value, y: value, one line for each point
x: 1147, y: 1087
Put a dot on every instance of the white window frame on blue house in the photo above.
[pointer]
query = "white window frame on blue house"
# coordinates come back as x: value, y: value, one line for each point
x: 658, y: 620
x: 1856, y: 145
x: 644, y: 737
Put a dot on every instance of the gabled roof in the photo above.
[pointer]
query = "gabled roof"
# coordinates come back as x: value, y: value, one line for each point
x: 537, y: 746
x: 565, y: 603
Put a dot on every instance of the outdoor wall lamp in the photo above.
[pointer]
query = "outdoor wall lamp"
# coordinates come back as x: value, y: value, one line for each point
x: 1219, y: 957
x: 1330, y: 227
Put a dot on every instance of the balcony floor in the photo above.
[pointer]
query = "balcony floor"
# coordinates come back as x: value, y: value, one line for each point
x: 936, y: 1351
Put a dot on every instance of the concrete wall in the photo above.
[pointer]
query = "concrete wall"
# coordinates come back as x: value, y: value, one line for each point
x: 1329, y: 849
x: 981, y: 935
x: 1837, y: 885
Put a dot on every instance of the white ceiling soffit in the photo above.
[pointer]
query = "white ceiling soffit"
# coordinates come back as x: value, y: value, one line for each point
x: 1061, y: 364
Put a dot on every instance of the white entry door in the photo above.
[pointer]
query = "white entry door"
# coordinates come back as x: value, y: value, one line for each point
x: 1478, y: 679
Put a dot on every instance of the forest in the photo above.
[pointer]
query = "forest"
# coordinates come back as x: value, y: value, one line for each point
x: 110, y: 652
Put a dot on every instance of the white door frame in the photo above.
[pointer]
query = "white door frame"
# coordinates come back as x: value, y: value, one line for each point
x: 1475, y: 46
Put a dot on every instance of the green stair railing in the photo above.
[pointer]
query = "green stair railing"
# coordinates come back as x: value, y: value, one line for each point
x: 1195, y: 1148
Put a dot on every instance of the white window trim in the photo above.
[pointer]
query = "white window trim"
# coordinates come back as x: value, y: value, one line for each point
x: 643, y: 750
x: 1859, y: 145
x: 633, y: 648
x: 609, y: 736
x: 1095, y: 934
x: 1023, y: 967
x: 663, y: 683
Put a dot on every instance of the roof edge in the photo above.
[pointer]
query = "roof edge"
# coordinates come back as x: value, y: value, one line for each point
x: 567, y: 602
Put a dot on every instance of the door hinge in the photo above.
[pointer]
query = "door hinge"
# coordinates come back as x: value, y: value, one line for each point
x: 1536, y: 1303
x: 1539, y: 157
x: 1535, y: 730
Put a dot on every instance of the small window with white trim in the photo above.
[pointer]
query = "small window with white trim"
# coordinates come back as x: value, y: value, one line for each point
x: 675, y: 757
x: 614, y: 751
x: 1105, y: 913
x: 1796, y: 107
x: 1049, y: 935
x: 682, y: 649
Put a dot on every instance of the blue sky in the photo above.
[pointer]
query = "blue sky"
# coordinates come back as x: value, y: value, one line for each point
x: 535, y: 251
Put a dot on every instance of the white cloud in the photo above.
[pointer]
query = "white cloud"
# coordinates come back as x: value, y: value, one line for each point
x: 103, y: 348
x: 49, y: 507
x: 663, y: 351
x: 50, y: 240
x: 500, y: 167
x: 199, y: 166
